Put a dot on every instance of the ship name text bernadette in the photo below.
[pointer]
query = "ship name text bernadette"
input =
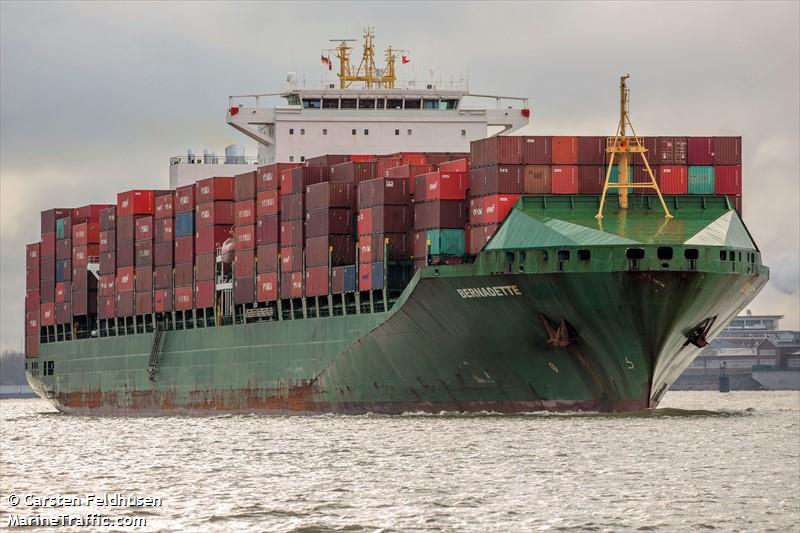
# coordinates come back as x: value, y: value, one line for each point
x: 489, y: 292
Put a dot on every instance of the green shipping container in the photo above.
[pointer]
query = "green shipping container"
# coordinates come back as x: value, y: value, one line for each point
x: 61, y: 228
x: 447, y: 242
x: 615, y: 178
x: 701, y: 180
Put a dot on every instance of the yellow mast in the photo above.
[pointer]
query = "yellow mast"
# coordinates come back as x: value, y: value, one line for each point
x: 623, y: 146
x: 366, y: 71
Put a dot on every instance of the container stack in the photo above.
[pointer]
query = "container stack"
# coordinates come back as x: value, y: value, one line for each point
x: 213, y: 226
x: 134, y: 219
x: 163, y: 248
x: 440, y: 215
x: 47, y: 265
x: 63, y: 286
x: 329, y: 234
x: 32, y: 280
x: 384, y: 224
x: 183, y: 276
x: 106, y: 304
x: 85, y: 250
x: 244, y: 255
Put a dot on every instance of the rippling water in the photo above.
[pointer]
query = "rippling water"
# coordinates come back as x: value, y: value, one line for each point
x: 704, y: 460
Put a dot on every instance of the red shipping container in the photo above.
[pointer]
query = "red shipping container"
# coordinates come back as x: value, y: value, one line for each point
x: 144, y: 279
x: 410, y: 172
x: 444, y: 185
x: 205, y: 267
x: 63, y: 291
x: 365, y: 277
x: 244, y: 291
x: 291, y: 258
x: 480, y: 236
x: 292, y: 206
x: 537, y: 150
x: 328, y: 194
x: 497, y: 179
x: 184, y: 298
x: 245, y: 212
x: 267, y: 287
x: 268, y: 203
x: 135, y: 202
x: 164, y: 207
x: 32, y: 278
x: 728, y: 180
x: 126, y: 227
x: 333, y: 221
x: 700, y: 151
x: 673, y: 179
x: 383, y: 191
x: 267, y: 258
x: 296, y: 180
x: 565, y: 150
x: 164, y: 230
x: 292, y: 233
x: 317, y: 281
x: 32, y: 255
x: 83, y: 255
x: 362, y: 157
x: 727, y: 151
x: 420, y: 244
x: 391, y: 219
x: 213, y: 189
x: 162, y: 300
x: 338, y: 249
x: 144, y: 303
x: 591, y: 179
x: 125, y: 303
x: 162, y: 253
x: 244, y: 186
x: 500, y: 149
x: 63, y: 249
x: 672, y: 150
x: 107, y: 284
x: 214, y: 214
x: 204, y: 294
x: 492, y: 209
x: 444, y: 214
x: 184, y: 249
x: 86, y: 233
x: 354, y: 172
x: 47, y: 314
x: 184, y: 274
x: 144, y: 229
x: 371, y: 247
x: 268, y: 177
x: 32, y: 301
x: 210, y: 238
x: 244, y: 237
x: 108, y: 263
x: 457, y: 165
x: 89, y: 213
x: 48, y: 218
x: 84, y: 303
x: 144, y: 253
x: 107, y: 307
x: 163, y: 277
x: 537, y: 179
x: 653, y: 155
x: 32, y: 323
x: 244, y: 263
x: 591, y: 150
x: 125, y: 279
x: 184, y: 199
x: 565, y: 179
x: 47, y: 247
x: 108, y: 218
x: 126, y: 254
x: 63, y: 313
x: 47, y: 290
x: 292, y: 285
x: 47, y: 270
x: 267, y: 230
x: 108, y: 241
x: 364, y: 221
x: 383, y: 164
x: 82, y: 280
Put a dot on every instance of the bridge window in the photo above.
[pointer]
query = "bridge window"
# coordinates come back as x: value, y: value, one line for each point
x: 302, y: 159
x: 291, y: 131
x: 723, y: 255
x: 366, y: 132
x: 380, y: 103
x: 413, y: 103
x: 394, y: 103
x: 324, y: 131
x: 348, y: 103
x: 397, y: 132
x: 311, y: 103
x: 691, y: 253
x: 353, y: 131
x: 584, y: 255
x: 450, y: 104
x: 302, y: 131
x: 463, y: 133
x: 330, y: 103
x: 368, y: 103
x: 408, y: 132
x: 664, y: 252
x: 430, y: 104
x: 634, y: 253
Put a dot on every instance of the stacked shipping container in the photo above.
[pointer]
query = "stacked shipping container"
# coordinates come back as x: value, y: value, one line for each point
x: 214, y: 219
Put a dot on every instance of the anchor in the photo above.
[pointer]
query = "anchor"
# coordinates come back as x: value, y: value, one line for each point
x: 559, y: 337
x: 697, y: 335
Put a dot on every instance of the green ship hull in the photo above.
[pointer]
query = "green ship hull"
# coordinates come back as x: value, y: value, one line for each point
x: 554, y: 314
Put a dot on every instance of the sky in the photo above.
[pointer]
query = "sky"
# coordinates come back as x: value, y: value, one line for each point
x: 95, y: 97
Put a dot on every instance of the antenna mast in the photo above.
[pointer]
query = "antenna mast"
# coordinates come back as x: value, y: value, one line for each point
x: 366, y: 72
x: 623, y: 147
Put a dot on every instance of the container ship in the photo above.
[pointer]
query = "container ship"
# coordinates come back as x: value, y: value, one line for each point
x: 386, y: 254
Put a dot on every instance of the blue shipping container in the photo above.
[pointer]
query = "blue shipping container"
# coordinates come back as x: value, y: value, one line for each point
x: 61, y: 270
x: 184, y: 224
x: 350, y: 278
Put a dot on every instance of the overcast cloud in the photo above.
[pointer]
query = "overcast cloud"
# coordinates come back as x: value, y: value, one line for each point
x: 95, y: 97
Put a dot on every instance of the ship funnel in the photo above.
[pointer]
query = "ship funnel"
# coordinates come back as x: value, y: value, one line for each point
x: 190, y: 155
x: 234, y: 154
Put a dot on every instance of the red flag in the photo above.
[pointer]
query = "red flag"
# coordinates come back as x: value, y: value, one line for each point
x: 325, y: 61
x: 405, y: 59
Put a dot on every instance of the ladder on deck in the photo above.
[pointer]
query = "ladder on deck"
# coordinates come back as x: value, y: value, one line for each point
x: 155, y: 354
